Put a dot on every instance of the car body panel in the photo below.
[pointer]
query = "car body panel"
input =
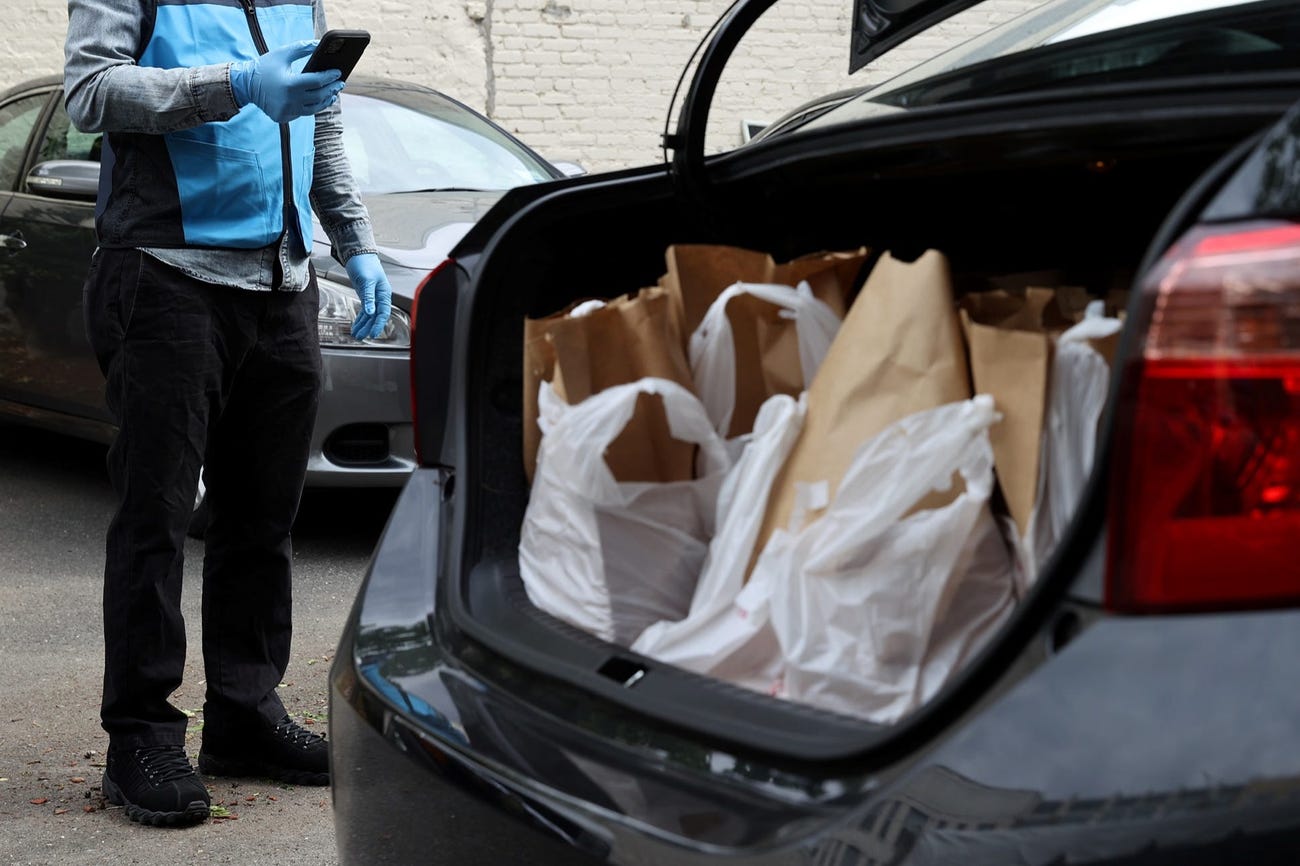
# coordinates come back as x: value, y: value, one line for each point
x: 414, y: 230
x: 1032, y: 772
x: 1268, y: 184
x: 55, y: 369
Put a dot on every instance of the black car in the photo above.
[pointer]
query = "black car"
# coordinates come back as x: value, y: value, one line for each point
x: 428, y: 167
x: 1139, y: 706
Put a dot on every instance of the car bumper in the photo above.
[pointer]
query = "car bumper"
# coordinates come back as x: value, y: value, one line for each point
x: 407, y: 800
x: 363, y: 435
x: 1145, y: 740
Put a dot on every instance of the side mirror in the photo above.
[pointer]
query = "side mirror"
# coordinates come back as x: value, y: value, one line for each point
x: 570, y: 169
x: 65, y: 178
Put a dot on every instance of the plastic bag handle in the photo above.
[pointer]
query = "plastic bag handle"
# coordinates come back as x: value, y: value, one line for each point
x: 713, y: 368
x: 584, y: 431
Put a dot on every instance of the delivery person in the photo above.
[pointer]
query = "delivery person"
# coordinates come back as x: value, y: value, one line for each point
x: 201, y: 308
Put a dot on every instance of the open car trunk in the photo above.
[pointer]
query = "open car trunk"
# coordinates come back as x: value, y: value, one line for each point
x: 1080, y: 187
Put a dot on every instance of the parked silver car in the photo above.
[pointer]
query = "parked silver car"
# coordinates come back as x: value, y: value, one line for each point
x: 428, y: 167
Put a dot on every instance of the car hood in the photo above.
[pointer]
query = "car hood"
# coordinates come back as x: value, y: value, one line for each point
x: 417, y: 229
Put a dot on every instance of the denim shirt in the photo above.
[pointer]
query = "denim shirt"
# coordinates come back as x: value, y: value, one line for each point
x: 106, y: 91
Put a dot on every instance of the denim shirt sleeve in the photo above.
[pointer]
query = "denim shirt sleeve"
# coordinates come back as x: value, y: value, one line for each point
x: 105, y: 91
x: 334, y: 193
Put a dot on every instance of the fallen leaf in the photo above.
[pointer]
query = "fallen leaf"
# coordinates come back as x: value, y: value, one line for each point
x: 60, y: 811
x: 87, y: 808
x: 251, y: 798
x: 272, y: 797
x: 39, y: 801
x: 77, y: 780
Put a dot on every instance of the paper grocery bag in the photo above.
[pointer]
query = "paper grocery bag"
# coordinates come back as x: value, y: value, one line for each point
x: 1056, y: 309
x: 1010, y: 359
x: 758, y: 340
x: 767, y: 358
x: 629, y: 338
x: 899, y: 352
x: 698, y: 273
x: 646, y: 451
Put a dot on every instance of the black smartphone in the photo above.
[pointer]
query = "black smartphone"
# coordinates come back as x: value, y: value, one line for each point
x: 338, y: 49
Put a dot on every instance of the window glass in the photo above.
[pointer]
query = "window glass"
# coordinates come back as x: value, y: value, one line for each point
x: 17, y: 120
x: 414, y: 140
x: 64, y: 141
x: 1086, y: 43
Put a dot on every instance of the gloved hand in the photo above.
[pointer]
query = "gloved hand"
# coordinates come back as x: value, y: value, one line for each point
x: 371, y: 285
x: 270, y: 83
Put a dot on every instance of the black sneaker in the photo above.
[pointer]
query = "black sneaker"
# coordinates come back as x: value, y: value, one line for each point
x: 157, y: 786
x: 286, y: 752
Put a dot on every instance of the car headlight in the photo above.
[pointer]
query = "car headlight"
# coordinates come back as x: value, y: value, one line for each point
x: 339, y: 306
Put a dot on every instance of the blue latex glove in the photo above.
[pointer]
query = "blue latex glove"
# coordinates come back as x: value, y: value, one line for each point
x: 371, y: 285
x: 270, y: 83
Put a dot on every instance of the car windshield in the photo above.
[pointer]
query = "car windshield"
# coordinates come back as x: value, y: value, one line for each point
x: 407, y: 140
x: 1071, y: 43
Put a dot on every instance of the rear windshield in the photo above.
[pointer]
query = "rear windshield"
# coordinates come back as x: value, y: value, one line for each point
x: 1077, y: 43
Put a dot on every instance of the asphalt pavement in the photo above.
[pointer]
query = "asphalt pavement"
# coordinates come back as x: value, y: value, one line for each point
x: 55, y: 503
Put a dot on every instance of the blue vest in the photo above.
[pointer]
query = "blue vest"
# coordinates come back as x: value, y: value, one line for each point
x: 230, y: 184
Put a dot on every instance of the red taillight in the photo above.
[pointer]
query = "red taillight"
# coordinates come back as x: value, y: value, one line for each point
x: 1205, y: 493
x: 415, y: 307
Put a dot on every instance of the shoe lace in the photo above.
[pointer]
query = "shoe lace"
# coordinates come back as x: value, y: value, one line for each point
x: 163, y: 763
x: 296, y: 734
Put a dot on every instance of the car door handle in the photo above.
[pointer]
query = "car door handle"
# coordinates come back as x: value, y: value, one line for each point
x: 13, y: 242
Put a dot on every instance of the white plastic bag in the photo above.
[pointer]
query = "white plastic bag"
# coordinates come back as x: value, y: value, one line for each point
x: 718, y: 637
x: 610, y: 557
x: 713, y: 351
x: 875, y: 603
x: 1076, y: 397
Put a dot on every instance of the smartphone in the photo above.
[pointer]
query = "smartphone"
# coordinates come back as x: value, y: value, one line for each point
x: 338, y: 49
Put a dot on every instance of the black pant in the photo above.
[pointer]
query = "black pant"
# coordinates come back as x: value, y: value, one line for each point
x: 199, y: 375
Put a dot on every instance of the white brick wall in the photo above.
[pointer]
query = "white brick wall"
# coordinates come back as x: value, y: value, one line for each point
x: 585, y: 80
x: 35, y: 46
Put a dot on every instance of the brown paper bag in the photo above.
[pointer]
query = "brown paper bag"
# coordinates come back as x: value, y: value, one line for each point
x: 1010, y: 359
x: 767, y: 358
x: 899, y: 352
x: 630, y: 338
x: 646, y: 451
x: 698, y: 273
x: 1063, y: 306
